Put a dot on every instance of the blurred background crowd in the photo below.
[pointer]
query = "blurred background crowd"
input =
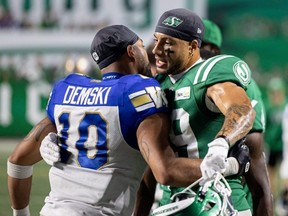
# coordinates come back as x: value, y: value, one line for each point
x: 43, y: 40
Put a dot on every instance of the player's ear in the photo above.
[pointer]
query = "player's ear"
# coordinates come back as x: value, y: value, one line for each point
x: 194, y: 44
x: 192, y: 47
x: 130, y: 51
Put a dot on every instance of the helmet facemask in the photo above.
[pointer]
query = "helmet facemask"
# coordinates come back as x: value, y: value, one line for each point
x: 212, y: 198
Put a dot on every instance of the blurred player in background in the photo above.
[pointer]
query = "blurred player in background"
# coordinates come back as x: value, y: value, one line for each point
x: 257, y: 176
x: 281, y: 206
x: 275, y: 106
x: 211, y: 110
x: 212, y: 41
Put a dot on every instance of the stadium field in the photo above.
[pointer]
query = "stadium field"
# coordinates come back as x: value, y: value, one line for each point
x: 40, y: 185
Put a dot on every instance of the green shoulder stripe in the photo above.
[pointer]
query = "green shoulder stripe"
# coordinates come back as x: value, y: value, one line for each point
x: 208, y: 65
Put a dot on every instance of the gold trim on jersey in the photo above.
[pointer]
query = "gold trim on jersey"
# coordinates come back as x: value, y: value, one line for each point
x: 141, y: 100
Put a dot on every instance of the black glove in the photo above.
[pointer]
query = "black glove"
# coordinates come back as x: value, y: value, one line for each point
x: 240, y: 151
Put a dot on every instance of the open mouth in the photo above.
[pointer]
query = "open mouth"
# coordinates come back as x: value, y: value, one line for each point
x: 160, y: 63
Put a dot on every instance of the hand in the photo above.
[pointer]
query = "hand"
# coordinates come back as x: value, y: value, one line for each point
x: 49, y: 149
x: 240, y: 152
x: 215, y: 159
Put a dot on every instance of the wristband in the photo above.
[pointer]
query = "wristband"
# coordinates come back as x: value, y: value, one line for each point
x: 21, y: 212
x: 232, y: 167
x: 225, y: 138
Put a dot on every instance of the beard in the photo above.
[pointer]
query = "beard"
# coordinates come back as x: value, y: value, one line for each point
x: 175, y: 69
x: 145, y: 70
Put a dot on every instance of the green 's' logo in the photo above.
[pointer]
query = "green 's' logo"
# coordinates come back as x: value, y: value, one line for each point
x: 172, y: 21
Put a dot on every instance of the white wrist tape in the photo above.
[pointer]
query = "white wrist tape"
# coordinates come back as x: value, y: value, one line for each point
x: 21, y: 212
x: 220, y: 142
x: 232, y: 167
x: 18, y: 171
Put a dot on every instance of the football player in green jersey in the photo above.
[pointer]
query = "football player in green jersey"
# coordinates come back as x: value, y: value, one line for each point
x: 210, y: 108
x: 257, y: 176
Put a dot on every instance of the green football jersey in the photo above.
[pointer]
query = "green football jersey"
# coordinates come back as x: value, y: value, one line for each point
x: 195, y: 119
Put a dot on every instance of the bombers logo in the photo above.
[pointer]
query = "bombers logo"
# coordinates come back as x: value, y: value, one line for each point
x: 172, y: 21
x: 242, y: 72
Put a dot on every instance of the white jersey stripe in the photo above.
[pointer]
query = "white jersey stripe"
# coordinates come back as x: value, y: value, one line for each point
x: 211, y: 65
x: 144, y: 107
x: 136, y: 94
x: 199, y: 71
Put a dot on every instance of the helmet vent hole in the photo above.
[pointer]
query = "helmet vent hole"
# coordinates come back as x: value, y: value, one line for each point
x: 209, y: 205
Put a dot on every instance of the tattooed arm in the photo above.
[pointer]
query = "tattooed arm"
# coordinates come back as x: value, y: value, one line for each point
x: 27, y: 154
x: 235, y: 105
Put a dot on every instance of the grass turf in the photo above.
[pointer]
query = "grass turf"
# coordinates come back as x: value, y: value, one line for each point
x: 40, y: 185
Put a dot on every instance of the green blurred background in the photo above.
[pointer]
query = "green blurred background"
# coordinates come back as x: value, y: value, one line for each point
x: 43, y: 40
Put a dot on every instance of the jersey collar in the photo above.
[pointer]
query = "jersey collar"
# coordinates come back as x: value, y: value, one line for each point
x: 111, y: 76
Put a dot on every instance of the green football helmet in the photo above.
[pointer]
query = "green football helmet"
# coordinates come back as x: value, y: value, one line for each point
x: 211, y: 199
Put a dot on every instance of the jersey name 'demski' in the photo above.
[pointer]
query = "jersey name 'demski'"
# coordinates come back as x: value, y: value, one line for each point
x: 86, y: 96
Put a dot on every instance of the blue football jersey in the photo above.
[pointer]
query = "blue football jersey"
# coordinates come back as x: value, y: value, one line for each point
x: 96, y: 121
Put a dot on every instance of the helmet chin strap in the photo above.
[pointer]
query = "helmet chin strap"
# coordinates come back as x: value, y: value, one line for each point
x: 189, y: 189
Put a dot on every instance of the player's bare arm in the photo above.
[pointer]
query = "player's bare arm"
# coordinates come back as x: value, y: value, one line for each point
x: 27, y: 151
x: 159, y: 155
x: 234, y: 103
x: 24, y: 155
x: 145, y: 194
x: 257, y: 177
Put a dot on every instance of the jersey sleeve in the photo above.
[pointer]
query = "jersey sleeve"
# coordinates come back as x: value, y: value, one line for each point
x: 147, y: 97
x: 226, y: 68
x: 255, y: 96
x: 143, y: 98
x: 51, y: 102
